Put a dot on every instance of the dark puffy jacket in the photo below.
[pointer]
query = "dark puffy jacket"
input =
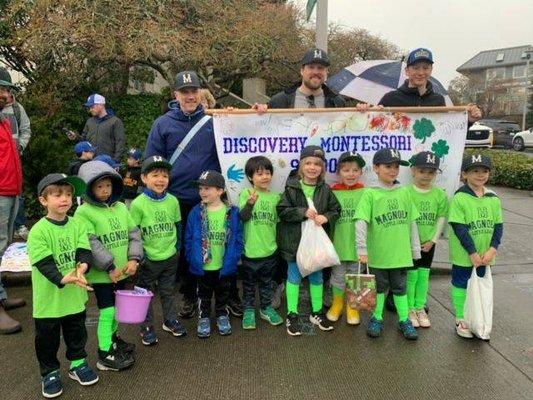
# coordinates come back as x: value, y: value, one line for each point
x: 285, y: 99
x: 292, y: 208
x: 107, y: 134
x: 10, y: 166
x: 405, y: 96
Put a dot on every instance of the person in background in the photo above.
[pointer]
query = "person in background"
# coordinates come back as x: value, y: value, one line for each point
x: 85, y: 151
x: 132, y: 176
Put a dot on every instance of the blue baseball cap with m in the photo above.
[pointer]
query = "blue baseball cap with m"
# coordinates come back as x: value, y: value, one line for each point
x: 420, y: 54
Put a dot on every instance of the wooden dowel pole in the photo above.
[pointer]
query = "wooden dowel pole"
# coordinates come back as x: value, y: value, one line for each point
x: 346, y: 109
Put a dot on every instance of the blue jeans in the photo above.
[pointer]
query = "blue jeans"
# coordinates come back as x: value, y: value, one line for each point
x: 294, y: 276
x: 8, y: 211
x: 461, y: 275
x: 20, y: 218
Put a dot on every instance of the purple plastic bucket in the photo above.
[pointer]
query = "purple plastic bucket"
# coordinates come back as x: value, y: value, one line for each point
x: 132, y: 306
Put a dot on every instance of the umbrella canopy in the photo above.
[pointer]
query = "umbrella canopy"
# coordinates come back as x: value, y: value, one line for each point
x: 369, y: 80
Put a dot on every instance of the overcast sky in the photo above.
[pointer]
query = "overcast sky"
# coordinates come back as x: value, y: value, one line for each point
x: 455, y: 30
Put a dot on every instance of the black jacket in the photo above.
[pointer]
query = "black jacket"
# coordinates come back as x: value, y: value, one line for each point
x: 405, y: 96
x: 132, y: 182
x: 285, y: 99
x: 75, y: 165
x: 292, y: 208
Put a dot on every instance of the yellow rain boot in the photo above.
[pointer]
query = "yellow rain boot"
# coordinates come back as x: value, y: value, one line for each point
x: 352, y: 316
x: 335, y: 310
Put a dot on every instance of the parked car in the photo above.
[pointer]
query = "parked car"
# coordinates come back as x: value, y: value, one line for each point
x: 479, y: 136
x: 523, y: 139
x: 503, y: 131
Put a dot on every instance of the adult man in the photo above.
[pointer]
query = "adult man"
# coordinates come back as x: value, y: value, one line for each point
x: 185, y: 136
x: 312, y: 92
x: 104, y: 129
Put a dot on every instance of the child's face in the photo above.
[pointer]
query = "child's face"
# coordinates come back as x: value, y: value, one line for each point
x: 132, y: 162
x: 387, y: 173
x: 210, y: 194
x: 156, y: 180
x: 476, y: 177
x: 423, y: 177
x: 261, y: 179
x: 102, y: 189
x: 349, y: 173
x: 57, y: 199
x: 87, y: 155
x: 312, y: 168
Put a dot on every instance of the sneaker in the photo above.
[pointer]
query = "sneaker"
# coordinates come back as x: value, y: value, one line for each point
x: 122, y: 345
x: 234, y: 307
x: 320, y: 320
x: 408, y: 330
x: 374, y: 328
x: 293, y: 324
x: 223, y: 325
x: 278, y: 293
x: 114, y: 360
x: 271, y: 315
x: 188, y: 309
x: 413, y: 317
x: 248, y: 320
x: 462, y: 329
x: 175, y: 328
x: 423, y: 318
x: 204, y: 328
x: 149, y: 338
x: 21, y: 233
x: 51, y: 385
x: 83, y: 374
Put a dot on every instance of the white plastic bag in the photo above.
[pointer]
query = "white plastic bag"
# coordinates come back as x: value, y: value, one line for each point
x: 478, y: 304
x: 315, y: 251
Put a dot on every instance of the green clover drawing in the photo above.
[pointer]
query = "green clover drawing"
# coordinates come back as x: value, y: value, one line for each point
x: 440, y: 148
x: 423, y: 128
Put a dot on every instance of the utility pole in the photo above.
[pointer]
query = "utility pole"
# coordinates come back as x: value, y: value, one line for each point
x: 526, y: 87
x: 322, y: 25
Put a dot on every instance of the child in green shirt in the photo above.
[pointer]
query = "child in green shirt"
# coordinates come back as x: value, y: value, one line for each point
x: 432, y: 205
x: 349, y: 169
x: 387, y: 239
x: 117, y: 249
x: 477, y: 229
x: 158, y: 215
x: 259, y: 261
x: 60, y: 255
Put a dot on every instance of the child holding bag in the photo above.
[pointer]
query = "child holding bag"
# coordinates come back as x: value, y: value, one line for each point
x: 293, y: 209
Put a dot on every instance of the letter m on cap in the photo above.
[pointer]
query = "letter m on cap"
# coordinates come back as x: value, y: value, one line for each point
x: 476, y: 158
x: 204, y: 175
x: 430, y: 159
x: 318, y: 53
x: 158, y: 158
x: 187, y: 78
x: 394, y: 153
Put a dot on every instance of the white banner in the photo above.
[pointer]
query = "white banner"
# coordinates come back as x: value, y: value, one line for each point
x: 281, y: 137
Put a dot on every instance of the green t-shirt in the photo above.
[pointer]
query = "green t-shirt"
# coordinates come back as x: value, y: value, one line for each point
x: 61, y: 242
x: 389, y: 214
x: 112, y: 226
x: 344, y: 234
x: 217, y: 238
x: 431, y: 206
x: 157, y: 220
x: 480, y: 214
x: 309, y: 190
x: 260, y: 230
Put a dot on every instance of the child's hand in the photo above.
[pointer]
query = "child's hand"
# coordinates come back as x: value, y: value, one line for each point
x: 363, y: 259
x: 115, y: 275
x: 311, y: 214
x: 131, y: 267
x: 81, y: 268
x: 488, y: 256
x: 253, y: 198
x: 427, y: 246
x: 73, y: 279
x: 476, y: 260
x: 320, y: 220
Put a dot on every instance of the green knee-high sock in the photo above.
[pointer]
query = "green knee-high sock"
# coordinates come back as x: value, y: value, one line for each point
x: 422, y: 288
x: 316, y: 292
x: 293, y: 292
x: 401, y: 307
x: 412, y: 279
x: 380, y: 303
x: 337, y: 291
x: 114, y: 326
x: 458, y: 300
x: 77, y: 363
x: 105, y: 328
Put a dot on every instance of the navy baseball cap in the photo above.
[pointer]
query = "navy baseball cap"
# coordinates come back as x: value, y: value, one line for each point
x: 135, y: 153
x: 425, y: 159
x: 155, y: 162
x: 77, y: 184
x: 313, y: 151
x: 187, y: 79
x: 317, y: 56
x: 351, y: 156
x: 420, y: 54
x: 5, y: 78
x: 388, y: 156
x: 108, y: 160
x: 476, y: 160
x: 84, y: 146
x: 93, y: 99
x: 210, y: 178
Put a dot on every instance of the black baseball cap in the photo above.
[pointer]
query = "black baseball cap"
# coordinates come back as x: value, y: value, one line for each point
x: 388, y: 156
x: 351, y: 156
x: 77, y: 184
x: 315, y: 55
x: 187, y: 79
x: 210, y: 178
x: 476, y: 160
x: 155, y: 162
x: 313, y: 151
x: 425, y: 159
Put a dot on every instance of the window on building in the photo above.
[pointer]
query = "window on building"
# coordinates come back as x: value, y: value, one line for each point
x: 519, y: 71
x: 500, y: 57
x: 495, y: 73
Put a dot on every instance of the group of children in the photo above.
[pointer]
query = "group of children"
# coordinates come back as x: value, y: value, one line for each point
x: 391, y: 228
